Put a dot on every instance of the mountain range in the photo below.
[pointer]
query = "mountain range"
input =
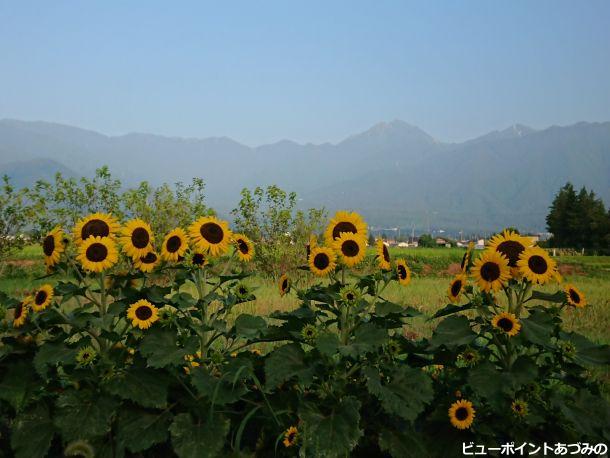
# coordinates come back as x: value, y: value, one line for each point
x: 394, y: 173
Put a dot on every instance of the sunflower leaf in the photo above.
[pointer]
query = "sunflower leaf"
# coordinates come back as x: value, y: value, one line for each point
x: 558, y: 297
x: 83, y: 414
x: 588, y: 352
x: 452, y: 331
x: 285, y: 363
x: 17, y: 384
x: 367, y: 338
x: 405, y: 394
x: 218, y: 391
x: 139, y: 429
x: 146, y: 387
x: 250, y: 326
x: 32, y: 432
x: 161, y: 348
x: 403, y: 443
x: 538, y: 327
x: 199, y: 438
x: 450, y: 309
x: 331, y: 432
x: 52, y: 354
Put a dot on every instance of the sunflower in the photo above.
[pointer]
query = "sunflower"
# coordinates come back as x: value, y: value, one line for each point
x: 199, y: 259
x: 95, y: 225
x: 21, y: 312
x: 349, y: 294
x: 575, y: 297
x: 291, y: 435
x: 507, y: 322
x: 86, y: 356
x: 491, y: 271
x: 97, y: 254
x: 243, y: 292
x: 536, y: 265
x: 42, y: 298
x: 309, y: 333
x: 148, y: 262
x: 456, y: 287
x: 519, y: 407
x: 403, y: 272
x: 511, y: 245
x: 461, y: 414
x: 245, y: 247
x: 211, y: 235
x: 136, y: 238
x: 469, y: 357
x: 174, y: 245
x: 351, y: 248
x: 345, y: 222
x: 53, y: 245
x: 322, y: 261
x: 383, y: 255
x: 284, y: 284
x: 142, y: 314
x: 465, y: 264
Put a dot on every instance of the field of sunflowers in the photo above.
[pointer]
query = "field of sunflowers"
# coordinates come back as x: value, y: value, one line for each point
x: 135, y: 347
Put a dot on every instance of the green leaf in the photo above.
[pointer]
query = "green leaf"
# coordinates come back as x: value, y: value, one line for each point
x: 558, y: 297
x: 485, y: 380
x: 32, y: 432
x: 331, y: 432
x: 219, y: 392
x: 386, y: 308
x: 538, y: 327
x: 450, y: 309
x: 404, y: 393
x: 83, y: 414
x: 52, y: 354
x: 285, y: 363
x: 328, y: 343
x: 68, y: 290
x: 156, y: 294
x: 17, y: 384
x: 405, y: 443
x: 367, y: 338
x: 588, y: 352
x: 452, y: 331
x: 146, y: 387
x: 198, y: 439
x: 139, y: 429
x: 250, y: 326
x: 183, y: 300
x: 160, y: 347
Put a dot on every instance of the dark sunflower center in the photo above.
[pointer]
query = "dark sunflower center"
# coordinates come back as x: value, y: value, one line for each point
x: 518, y: 407
x: 505, y: 324
x: 86, y: 355
x: 343, y: 226
x: 95, y: 228
x: 143, y: 312
x: 402, y: 272
x: 461, y: 413
x: 212, y: 232
x: 350, y: 248
x: 490, y: 271
x: 291, y: 436
x: 242, y: 246
x: 574, y: 296
x: 537, y: 264
x: 173, y: 244
x: 198, y: 259
x: 386, y: 253
x: 284, y: 284
x: 48, y: 245
x: 321, y: 261
x: 242, y: 290
x: 511, y: 249
x: 96, y: 252
x: 469, y: 356
x: 350, y: 296
x: 40, y: 297
x: 140, y: 237
x: 309, y: 332
x: 456, y: 287
x: 150, y: 258
x: 19, y: 310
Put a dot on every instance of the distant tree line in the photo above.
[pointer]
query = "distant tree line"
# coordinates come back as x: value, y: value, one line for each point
x: 579, y: 220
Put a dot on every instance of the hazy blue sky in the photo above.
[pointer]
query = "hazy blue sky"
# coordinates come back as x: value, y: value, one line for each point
x: 259, y: 71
